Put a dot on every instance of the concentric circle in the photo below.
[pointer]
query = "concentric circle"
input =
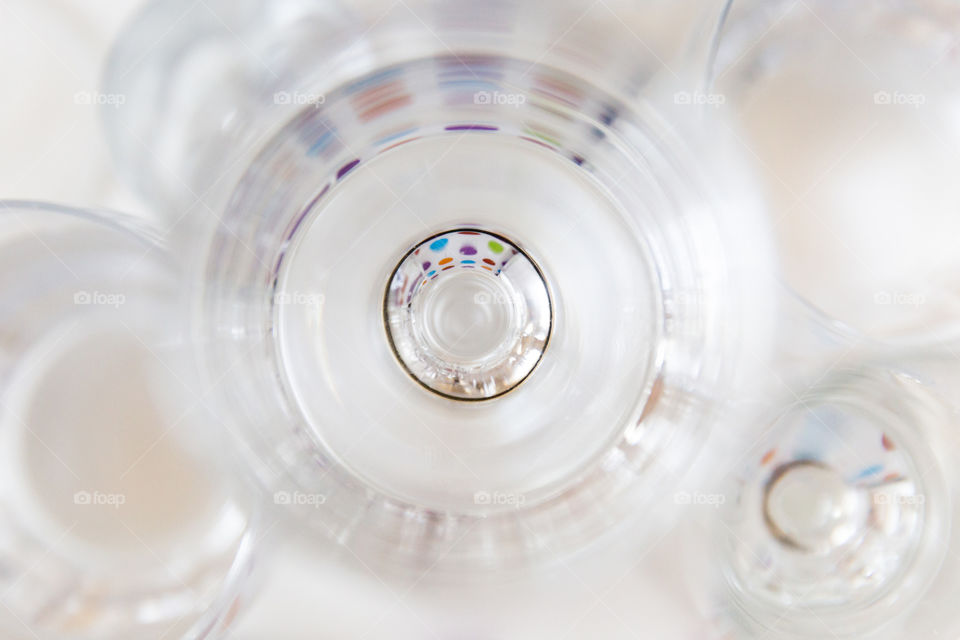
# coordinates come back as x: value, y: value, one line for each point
x: 810, y: 507
x: 468, y: 314
x: 460, y: 414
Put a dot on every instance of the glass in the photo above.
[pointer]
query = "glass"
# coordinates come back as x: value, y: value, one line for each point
x: 115, y: 521
x: 849, y: 112
x: 836, y: 508
x: 483, y: 420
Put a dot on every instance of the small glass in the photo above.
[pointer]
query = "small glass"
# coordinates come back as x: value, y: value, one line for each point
x: 831, y: 509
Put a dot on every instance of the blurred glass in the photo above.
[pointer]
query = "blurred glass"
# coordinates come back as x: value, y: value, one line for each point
x: 116, y: 521
x: 832, y: 510
x: 849, y: 111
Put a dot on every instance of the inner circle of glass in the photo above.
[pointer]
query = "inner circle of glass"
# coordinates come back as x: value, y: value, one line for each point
x: 468, y: 314
x: 810, y: 507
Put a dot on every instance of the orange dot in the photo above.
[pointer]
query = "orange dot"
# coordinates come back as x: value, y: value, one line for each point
x: 445, y: 261
x: 887, y: 443
x: 768, y: 456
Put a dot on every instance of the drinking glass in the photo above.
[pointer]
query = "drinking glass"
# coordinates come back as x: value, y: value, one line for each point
x: 116, y: 518
x: 834, y: 512
x: 848, y: 110
x: 476, y: 277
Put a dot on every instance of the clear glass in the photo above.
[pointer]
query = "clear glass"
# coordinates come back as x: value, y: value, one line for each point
x: 832, y: 511
x: 116, y: 521
x: 849, y: 111
x: 592, y: 364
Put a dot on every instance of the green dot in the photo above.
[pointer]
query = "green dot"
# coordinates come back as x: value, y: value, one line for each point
x: 495, y: 246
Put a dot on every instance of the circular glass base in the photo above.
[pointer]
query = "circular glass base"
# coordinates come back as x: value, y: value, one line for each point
x: 468, y: 314
x: 810, y: 507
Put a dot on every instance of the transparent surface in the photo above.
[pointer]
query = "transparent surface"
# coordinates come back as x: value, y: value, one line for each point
x: 849, y: 111
x: 114, y: 521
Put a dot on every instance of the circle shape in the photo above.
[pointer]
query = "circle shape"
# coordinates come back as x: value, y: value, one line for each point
x: 468, y: 314
x: 809, y: 507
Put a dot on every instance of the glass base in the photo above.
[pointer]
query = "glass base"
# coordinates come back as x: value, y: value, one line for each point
x: 468, y: 314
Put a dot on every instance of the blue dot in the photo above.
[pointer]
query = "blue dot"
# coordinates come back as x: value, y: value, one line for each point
x: 869, y: 471
x: 438, y: 244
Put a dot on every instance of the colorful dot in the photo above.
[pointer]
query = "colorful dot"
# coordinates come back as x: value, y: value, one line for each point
x: 445, y: 261
x: 426, y: 265
x: 887, y: 443
x: 468, y: 262
x: 869, y: 471
x: 438, y: 244
x: 347, y: 168
x: 489, y: 261
x: 495, y: 246
x: 768, y: 456
x: 468, y: 250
